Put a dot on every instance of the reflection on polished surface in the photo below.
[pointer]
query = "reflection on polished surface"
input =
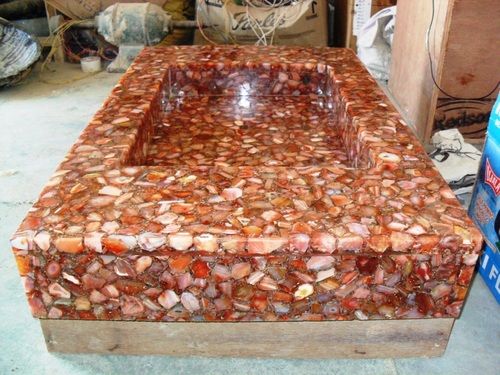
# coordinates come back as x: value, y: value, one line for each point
x: 247, y: 130
x: 279, y: 184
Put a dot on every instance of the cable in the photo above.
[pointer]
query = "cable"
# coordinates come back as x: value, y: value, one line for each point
x: 432, y: 68
x: 206, y: 16
x: 59, y: 41
x: 441, y: 154
x: 463, y: 182
x: 252, y: 21
x: 83, y: 51
x: 291, y: 11
x: 285, y: 16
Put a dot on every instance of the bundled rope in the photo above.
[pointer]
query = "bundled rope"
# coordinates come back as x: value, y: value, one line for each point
x: 58, y: 42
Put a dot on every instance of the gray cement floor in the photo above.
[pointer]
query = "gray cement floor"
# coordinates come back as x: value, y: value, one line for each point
x: 38, y: 124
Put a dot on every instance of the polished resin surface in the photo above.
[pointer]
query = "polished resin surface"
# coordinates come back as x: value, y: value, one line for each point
x: 228, y: 183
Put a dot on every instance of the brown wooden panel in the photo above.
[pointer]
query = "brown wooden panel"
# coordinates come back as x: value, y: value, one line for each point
x: 472, y: 52
x: 470, y: 68
x: 464, y: 48
x: 334, y: 339
x: 410, y: 80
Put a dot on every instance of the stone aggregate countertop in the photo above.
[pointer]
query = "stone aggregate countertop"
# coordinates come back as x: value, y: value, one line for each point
x: 246, y: 183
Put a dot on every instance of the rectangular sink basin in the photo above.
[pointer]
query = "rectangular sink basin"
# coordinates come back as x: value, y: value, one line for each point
x: 238, y: 184
x: 288, y: 131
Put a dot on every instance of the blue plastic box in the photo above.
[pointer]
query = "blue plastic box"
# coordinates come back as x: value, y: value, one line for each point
x: 484, y: 209
x: 490, y: 270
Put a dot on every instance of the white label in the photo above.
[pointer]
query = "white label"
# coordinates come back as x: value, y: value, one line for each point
x: 234, y: 18
x: 362, y: 13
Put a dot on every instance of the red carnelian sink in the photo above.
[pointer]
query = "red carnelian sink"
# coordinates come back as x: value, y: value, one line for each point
x: 219, y: 186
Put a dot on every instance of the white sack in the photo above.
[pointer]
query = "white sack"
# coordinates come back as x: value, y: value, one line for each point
x: 375, y: 42
x: 456, y: 160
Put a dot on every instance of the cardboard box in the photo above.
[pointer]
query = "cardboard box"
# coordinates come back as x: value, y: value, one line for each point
x: 484, y: 209
x: 305, y: 24
x: 465, y: 66
x: 490, y: 270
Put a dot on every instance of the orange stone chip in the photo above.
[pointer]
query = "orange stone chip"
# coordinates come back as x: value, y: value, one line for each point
x: 71, y: 245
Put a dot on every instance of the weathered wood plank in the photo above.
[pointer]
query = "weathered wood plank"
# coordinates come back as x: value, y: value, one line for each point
x: 410, y: 79
x: 334, y: 339
x: 465, y: 64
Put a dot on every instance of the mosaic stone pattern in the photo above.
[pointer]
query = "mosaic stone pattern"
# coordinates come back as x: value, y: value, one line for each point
x: 226, y: 183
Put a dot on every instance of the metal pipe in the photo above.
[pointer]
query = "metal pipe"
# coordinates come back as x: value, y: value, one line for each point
x: 184, y: 24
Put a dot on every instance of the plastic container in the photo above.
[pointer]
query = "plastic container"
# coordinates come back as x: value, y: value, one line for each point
x: 91, y: 64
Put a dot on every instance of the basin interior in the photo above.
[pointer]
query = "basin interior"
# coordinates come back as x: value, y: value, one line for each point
x: 263, y: 115
x: 256, y: 240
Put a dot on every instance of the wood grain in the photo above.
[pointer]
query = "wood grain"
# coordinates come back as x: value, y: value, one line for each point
x: 410, y: 80
x: 469, y: 65
x: 472, y: 51
x: 333, y: 339
x: 464, y: 48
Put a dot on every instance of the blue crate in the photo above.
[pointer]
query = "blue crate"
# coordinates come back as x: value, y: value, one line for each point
x: 484, y: 208
x: 489, y: 269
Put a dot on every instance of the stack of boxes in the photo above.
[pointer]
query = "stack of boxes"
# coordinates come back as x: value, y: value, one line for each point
x: 485, y: 205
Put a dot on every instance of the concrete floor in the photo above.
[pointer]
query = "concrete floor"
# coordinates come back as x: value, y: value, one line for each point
x: 39, y: 122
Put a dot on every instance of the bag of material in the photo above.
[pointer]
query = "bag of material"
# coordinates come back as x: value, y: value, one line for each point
x: 456, y: 160
x: 302, y: 23
x: 375, y: 43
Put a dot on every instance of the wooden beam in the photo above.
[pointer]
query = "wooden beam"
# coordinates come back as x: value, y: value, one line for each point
x: 469, y: 68
x: 410, y: 80
x: 463, y: 47
x: 331, y: 339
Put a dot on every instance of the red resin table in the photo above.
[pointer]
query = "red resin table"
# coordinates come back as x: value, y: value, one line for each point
x: 218, y: 187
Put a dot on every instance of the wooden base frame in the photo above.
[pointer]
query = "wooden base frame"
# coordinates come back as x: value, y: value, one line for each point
x: 332, y: 339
